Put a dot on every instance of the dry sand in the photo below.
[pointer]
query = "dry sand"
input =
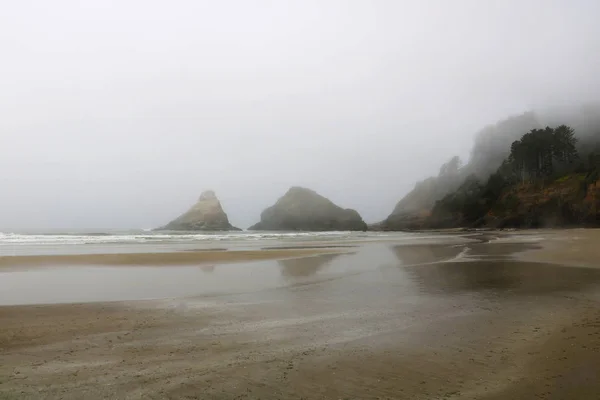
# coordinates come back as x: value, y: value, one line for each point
x: 474, y: 324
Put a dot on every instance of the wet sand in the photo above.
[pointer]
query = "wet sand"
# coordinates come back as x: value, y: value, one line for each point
x: 194, y: 257
x: 576, y: 247
x: 436, y: 321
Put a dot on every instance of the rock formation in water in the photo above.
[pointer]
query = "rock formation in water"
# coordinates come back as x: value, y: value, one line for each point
x: 302, y: 209
x: 206, y: 215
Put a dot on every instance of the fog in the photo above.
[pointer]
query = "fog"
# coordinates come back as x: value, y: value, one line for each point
x: 118, y: 114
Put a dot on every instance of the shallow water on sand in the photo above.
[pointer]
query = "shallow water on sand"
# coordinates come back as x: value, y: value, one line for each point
x: 455, y: 320
x: 417, y: 269
x: 75, y: 284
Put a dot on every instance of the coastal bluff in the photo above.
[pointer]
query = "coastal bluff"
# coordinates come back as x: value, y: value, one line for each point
x: 206, y: 215
x: 302, y: 209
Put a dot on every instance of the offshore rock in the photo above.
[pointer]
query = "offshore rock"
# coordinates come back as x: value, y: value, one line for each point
x: 302, y: 209
x: 206, y: 215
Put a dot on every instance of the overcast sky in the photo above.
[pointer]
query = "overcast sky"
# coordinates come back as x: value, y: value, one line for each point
x: 118, y: 114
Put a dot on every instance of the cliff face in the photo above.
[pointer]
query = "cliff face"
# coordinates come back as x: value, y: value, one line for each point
x: 422, y: 197
x: 491, y: 147
x: 302, y: 209
x: 206, y: 215
x: 418, y: 203
x: 572, y: 200
x: 569, y: 201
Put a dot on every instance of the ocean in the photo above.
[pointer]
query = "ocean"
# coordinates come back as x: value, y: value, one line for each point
x: 142, y: 241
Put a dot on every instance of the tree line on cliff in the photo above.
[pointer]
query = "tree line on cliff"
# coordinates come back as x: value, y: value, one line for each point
x: 520, y: 174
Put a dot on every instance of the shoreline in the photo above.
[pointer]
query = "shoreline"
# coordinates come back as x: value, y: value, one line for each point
x: 165, y: 259
x: 568, y: 247
x: 322, y: 324
x: 577, y: 247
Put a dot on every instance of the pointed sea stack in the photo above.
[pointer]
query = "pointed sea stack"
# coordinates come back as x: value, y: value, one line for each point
x: 302, y: 209
x: 206, y: 215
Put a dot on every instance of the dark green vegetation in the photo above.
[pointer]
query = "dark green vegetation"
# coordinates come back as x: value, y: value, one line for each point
x: 520, y: 175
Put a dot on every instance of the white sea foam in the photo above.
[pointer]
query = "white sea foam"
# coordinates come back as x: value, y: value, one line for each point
x: 146, y: 237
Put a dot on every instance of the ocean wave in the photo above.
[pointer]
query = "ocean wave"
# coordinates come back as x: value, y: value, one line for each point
x: 146, y: 237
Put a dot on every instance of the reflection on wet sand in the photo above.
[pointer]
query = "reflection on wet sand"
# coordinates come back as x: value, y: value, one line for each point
x: 208, y: 268
x: 488, y: 266
x: 308, y: 247
x: 306, y: 266
x: 426, y: 253
x: 452, y: 320
x: 501, y: 277
x: 482, y: 249
x: 499, y: 250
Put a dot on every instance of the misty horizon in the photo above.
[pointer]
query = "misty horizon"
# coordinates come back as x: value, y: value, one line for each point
x: 118, y: 115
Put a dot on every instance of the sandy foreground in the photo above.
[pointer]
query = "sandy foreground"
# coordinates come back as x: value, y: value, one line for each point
x: 496, y: 317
